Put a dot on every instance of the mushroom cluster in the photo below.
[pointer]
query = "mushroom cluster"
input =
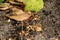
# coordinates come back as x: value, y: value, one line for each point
x: 28, y: 21
x: 17, y: 13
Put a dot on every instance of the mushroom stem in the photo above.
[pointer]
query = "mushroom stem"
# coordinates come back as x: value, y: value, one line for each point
x: 22, y: 31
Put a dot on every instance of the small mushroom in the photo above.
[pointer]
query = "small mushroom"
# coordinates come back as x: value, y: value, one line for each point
x: 20, y: 15
x: 5, y: 6
x: 20, y: 0
x: 38, y: 27
x: 12, y: 2
x: 28, y: 38
x: 17, y: 11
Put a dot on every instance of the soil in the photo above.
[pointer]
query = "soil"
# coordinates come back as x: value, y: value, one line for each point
x: 49, y: 19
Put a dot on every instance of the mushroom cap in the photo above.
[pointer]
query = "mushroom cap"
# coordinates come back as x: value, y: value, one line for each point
x: 21, y: 17
x: 5, y: 6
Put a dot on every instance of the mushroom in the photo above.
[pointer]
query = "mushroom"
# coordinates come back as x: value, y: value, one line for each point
x: 12, y: 2
x: 38, y: 27
x: 20, y: 0
x: 19, y: 15
x: 18, y: 4
x: 5, y: 6
x: 17, y: 11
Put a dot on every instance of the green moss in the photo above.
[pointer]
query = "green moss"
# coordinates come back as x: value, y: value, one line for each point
x: 33, y: 5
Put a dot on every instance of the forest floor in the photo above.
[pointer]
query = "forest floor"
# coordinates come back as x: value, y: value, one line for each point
x: 49, y: 19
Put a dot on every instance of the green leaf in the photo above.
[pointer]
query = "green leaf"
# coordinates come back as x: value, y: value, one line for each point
x: 33, y: 5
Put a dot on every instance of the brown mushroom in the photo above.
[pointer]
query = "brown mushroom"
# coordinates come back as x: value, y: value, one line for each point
x: 18, y: 4
x: 20, y: 15
x: 20, y: 0
x: 38, y: 27
x: 17, y: 11
x: 12, y: 2
x: 5, y: 6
